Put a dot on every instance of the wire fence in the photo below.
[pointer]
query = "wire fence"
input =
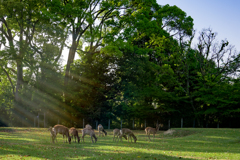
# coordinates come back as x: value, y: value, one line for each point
x: 44, y: 120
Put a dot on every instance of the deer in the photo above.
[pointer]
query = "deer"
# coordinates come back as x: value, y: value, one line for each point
x: 62, y: 130
x: 150, y: 130
x: 53, y: 135
x: 126, y: 131
x: 73, y: 131
x: 88, y: 126
x: 116, y: 132
x: 90, y: 132
x: 101, y: 130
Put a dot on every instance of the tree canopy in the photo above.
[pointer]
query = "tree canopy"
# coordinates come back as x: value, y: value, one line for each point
x: 137, y: 62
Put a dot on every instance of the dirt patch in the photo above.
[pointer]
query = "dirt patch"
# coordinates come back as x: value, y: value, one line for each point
x: 178, y: 133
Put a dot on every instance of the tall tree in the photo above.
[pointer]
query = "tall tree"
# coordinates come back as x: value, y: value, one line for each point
x: 27, y: 41
x: 81, y: 17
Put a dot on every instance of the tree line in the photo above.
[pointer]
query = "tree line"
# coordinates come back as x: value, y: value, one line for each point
x: 137, y: 61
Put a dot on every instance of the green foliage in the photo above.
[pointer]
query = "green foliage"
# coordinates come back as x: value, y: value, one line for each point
x: 136, y: 62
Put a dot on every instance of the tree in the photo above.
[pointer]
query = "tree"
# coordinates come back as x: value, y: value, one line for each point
x: 26, y: 40
x: 86, y: 18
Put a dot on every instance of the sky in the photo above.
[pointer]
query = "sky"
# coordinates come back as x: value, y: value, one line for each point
x: 222, y: 16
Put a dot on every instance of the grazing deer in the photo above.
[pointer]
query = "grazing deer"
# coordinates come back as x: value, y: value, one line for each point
x: 62, y: 130
x: 126, y: 131
x: 101, y: 130
x: 53, y: 135
x: 150, y: 130
x: 74, y: 133
x: 116, y: 132
x: 89, y: 132
x: 88, y: 126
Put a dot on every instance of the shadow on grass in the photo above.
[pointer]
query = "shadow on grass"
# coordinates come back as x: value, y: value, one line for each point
x: 35, y: 143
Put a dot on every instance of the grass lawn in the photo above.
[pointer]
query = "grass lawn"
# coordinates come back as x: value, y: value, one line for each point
x: 186, y: 143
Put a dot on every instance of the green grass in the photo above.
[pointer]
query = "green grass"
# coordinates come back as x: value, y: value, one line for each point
x: 187, y: 143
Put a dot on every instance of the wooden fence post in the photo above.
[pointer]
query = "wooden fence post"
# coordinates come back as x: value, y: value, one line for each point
x: 96, y: 124
x: 181, y: 122
x: 38, y: 120
x: 83, y: 123
x: 169, y: 124
x: 44, y: 121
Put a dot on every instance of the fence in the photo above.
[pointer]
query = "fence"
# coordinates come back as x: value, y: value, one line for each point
x: 44, y: 120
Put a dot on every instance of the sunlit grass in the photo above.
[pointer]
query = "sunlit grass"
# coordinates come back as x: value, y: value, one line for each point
x: 188, y: 143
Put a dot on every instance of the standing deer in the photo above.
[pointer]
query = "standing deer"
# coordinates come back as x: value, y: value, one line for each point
x: 53, y: 135
x: 126, y: 131
x: 116, y: 132
x: 150, y: 130
x: 62, y: 130
x: 89, y: 132
x: 74, y: 133
x: 101, y: 130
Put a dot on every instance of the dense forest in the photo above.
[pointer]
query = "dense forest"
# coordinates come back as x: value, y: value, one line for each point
x: 137, y: 62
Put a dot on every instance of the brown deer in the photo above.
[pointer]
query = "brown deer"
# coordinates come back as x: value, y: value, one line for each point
x: 88, y: 126
x: 62, y: 130
x: 89, y: 132
x: 53, y: 135
x: 150, y: 130
x: 116, y: 132
x: 101, y: 130
x: 74, y: 133
x: 126, y: 131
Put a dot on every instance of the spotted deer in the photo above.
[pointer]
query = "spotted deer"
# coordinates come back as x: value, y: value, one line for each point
x: 129, y: 133
x: 89, y: 132
x: 116, y: 132
x: 53, y: 135
x: 101, y: 130
x: 62, y: 130
x: 73, y: 131
x: 150, y: 130
x: 88, y: 126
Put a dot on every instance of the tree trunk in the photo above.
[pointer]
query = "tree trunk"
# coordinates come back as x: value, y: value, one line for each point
x: 71, y: 56
x: 19, y: 80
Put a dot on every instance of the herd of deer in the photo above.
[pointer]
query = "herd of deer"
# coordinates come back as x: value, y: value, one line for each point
x: 119, y: 133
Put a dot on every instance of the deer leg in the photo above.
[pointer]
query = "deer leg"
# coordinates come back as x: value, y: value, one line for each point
x: 119, y: 137
x: 82, y: 138
x: 92, y: 138
x: 54, y: 138
x: 149, y: 137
